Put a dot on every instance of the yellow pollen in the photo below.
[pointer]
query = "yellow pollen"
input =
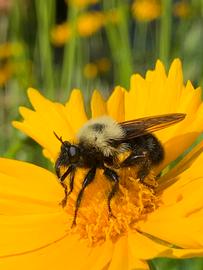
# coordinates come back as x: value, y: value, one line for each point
x: 132, y: 203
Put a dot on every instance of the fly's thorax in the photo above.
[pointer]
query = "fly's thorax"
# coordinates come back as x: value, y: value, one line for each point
x: 99, y: 133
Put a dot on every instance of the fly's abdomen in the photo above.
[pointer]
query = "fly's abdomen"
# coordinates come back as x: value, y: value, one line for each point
x: 151, y: 145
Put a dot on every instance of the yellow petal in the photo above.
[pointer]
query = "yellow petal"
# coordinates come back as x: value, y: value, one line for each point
x: 75, y: 110
x: 41, y: 124
x: 188, y: 253
x: 161, y: 94
x: 181, y: 205
x: 137, y: 99
x: 138, y: 265
x: 175, y: 147
x: 144, y: 248
x: 46, y: 138
x: 67, y: 253
x: 156, y: 84
x: 99, y: 257
x: 28, y: 189
x: 115, y: 104
x: 174, y: 86
x: 120, y: 255
x: 193, y: 158
x: 24, y: 233
x: 49, y: 112
x: 184, y: 235
x: 98, y: 105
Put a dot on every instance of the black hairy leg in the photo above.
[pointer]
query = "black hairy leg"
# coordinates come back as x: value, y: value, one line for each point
x: 88, y: 179
x: 71, y: 171
x: 135, y: 157
x: 113, y: 177
x: 139, y: 157
x: 64, y: 201
x: 57, y: 167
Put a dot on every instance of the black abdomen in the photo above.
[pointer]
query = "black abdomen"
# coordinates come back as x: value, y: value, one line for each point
x: 151, y: 145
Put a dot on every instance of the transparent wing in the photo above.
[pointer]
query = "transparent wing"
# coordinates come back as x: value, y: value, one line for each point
x: 141, y: 126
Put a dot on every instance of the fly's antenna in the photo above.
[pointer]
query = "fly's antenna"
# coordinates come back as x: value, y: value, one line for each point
x: 59, y: 138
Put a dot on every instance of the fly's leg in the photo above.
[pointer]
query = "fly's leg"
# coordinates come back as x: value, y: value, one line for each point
x: 134, y: 158
x: 57, y: 167
x: 88, y: 179
x: 113, y: 177
x: 71, y: 171
x: 139, y: 157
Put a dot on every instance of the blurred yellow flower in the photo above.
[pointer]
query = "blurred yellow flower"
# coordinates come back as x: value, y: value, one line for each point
x: 103, y: 64
x: 90, y: 71
x: 9, y: 63
x: 5, y: 50
x: 11, y: 49
x: 182, y: 9
x: 89, y: 23
x: 146, y: 10
x: 82, y: 3
x: 5, y: 73
x: 60, y: 34
x: 34, y: 227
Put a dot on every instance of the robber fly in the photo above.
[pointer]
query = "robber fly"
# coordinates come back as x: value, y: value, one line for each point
x: 102, y: 140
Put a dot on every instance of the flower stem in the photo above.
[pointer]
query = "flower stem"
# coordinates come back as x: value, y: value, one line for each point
x: 43, y: 10
x: 165, y: 32
x: 119, y: 42
x: 69, y: 53
x: 126, y: 61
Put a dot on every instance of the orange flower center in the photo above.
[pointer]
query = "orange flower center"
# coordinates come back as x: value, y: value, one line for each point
x: 132, y: 203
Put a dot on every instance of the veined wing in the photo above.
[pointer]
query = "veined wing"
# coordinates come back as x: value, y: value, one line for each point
x: 141, y: 126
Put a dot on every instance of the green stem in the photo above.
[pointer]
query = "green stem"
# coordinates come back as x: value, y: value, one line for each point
x: 69, y: 53
x: 165, y: 32
x: 201, y: 79
x: 16, y: 21
x: 126, y: 55
x: 43, y: 10
x: 119, y: 42
x: 142, y: 38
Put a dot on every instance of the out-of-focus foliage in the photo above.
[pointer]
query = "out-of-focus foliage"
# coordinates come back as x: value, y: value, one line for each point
x: 58, y: 45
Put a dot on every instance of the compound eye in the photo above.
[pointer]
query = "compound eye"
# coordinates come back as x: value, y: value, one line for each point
x: 74, y: 153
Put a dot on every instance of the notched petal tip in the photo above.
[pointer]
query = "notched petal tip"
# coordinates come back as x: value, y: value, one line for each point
x: 32, y: 91
x: 98, y: 104
x: 17, y: 124
x: 115, y: 104
x: 75, y: 95
x: 176, y: 68
x: 25, y: 112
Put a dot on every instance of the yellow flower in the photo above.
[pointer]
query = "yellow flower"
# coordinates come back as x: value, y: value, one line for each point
x: 90, y: 71
x: 89, y: 23
x: 182, y: 9
x: 146, y: 10
x: 60, y: 34
x: 11, y: 61
x: 6, y: 72
x: 11, y: 49
x: 150, y: 222
x: 103, y: 64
